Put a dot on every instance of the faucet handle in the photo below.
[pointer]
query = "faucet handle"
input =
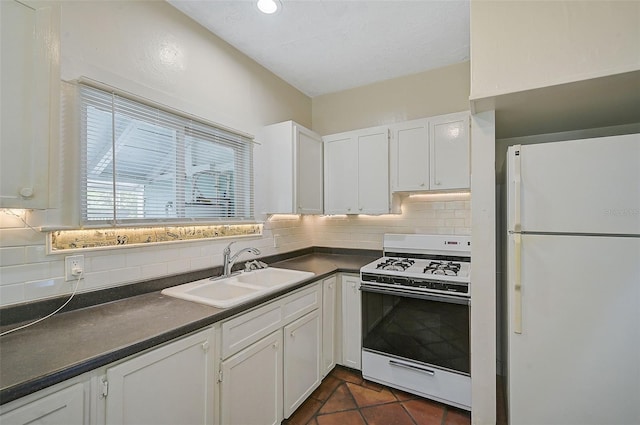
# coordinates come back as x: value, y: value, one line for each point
x: 250, y: 266
x: 227, y: 249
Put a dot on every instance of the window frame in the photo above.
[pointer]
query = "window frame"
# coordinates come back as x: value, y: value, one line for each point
x: 188, y: 127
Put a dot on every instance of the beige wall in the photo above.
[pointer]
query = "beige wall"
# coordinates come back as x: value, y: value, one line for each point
x: 152, y: 50
x: 440, y: 91
x: 429, y: 93
x: 522, y: 45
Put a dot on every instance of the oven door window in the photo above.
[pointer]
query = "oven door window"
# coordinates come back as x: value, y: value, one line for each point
x: 432, y: 332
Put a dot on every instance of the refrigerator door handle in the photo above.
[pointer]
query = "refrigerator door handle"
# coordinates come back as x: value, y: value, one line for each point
x: 517, y: 186
x: 517, y: 284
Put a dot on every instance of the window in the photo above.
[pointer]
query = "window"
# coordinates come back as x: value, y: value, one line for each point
x: 142, y: 164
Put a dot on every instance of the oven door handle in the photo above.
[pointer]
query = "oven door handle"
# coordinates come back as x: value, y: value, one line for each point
x: 403, y: 292
x: 412, y: 367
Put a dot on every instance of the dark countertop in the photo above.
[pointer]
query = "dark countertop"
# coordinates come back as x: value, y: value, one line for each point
x: 71, y: 343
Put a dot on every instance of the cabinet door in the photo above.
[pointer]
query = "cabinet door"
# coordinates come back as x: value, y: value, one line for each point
x: 251, y: 388
x: 172, y: 384
x: 309, y: 167
x: 409, y: 156
x: 64, y: 407
x: 328, y: 324
x: 373, y: 171
x: 450, y: 152
x: 341, y: 174
x: 28, y: 101
x: 302, y: 348
x: 351, y: 322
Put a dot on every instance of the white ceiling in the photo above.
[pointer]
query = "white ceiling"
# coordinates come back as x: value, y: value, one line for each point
x: 324, y: 46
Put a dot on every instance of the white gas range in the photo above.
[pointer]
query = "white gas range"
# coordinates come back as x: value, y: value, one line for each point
x: 415, y: 317
x: 423, y: 264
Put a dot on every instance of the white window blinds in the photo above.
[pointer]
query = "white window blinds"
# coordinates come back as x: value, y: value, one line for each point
x: 142, y: 164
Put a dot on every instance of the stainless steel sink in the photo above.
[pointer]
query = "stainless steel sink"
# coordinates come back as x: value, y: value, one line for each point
x: 234, y: 290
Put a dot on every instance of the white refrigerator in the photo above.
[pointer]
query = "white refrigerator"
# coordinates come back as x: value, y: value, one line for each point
x: 573, y: 282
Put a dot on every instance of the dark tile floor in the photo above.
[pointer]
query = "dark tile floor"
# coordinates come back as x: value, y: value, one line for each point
x: 344, y: 398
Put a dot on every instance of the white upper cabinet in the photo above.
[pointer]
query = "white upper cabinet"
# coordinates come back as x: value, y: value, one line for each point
x: 410, y: 156
x: 431, y: 154
x: 357, y: 172
x: 29, y: 94
x: 341, y: 174
x: 288, y: 170
x: 449, y: 152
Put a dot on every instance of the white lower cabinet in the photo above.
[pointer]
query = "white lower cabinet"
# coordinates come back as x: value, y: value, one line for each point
x: 65, y: 406
x: 271, y: 358
x: 172, y: 384
x: 329, y: 321
x: 266, y: 361
x: 302, y: 350
x: 251, y: 384
x: 351, y: 322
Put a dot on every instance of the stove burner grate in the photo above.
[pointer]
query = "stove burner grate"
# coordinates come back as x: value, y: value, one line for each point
x: 394, y: 264
x: 447, y: 268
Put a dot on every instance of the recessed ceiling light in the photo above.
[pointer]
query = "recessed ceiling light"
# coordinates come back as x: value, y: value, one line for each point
x: 269, y: 6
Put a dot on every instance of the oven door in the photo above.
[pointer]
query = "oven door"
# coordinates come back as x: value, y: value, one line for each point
x: 425, y: 328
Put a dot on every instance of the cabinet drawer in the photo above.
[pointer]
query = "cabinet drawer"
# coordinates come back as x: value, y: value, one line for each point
x: 66, y: 406
x: 248, y: 328
x: 301, y: 303
x: 440, y: 385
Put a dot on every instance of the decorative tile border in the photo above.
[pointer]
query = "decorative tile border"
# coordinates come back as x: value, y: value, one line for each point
x: 63, y: 240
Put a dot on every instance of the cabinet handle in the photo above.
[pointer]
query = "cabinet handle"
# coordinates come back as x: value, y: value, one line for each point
x: 517, y: 285
x: 437, y: 183
x: 26, y: 192
x: 331, y: 286
x: 360, y: 208
x: 293, y: 334
x: 412, y: 367
x: 275, y: 345
x: 422, y: 184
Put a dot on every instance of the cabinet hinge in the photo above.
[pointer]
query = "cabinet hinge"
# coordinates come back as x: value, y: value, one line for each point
x: 105, y: 388
x: 220, y: 376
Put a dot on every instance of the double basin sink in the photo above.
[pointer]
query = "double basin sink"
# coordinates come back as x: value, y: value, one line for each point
x: 237, y: 289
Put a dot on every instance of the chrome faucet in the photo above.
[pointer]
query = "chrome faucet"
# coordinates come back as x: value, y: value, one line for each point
x: 228, y: 260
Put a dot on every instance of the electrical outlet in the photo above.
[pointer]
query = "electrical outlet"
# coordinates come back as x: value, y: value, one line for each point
x: 73, y: 267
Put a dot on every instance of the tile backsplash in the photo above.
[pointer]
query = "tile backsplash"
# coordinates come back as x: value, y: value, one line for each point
x: 431, y: 214
x: 27, y: 273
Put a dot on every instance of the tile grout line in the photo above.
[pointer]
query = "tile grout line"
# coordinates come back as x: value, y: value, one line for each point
x: 356, y: 402
x: 408, y: 412
x: 444, y: 415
